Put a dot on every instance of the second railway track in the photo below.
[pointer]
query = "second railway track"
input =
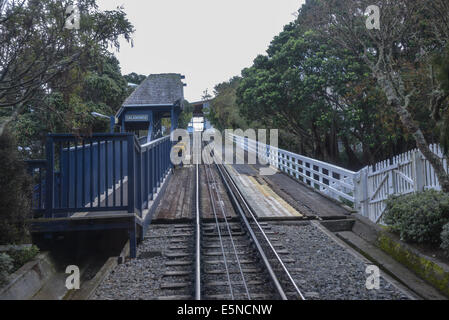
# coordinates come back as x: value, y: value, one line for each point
x: 226, y: 258
x: 236, y: 259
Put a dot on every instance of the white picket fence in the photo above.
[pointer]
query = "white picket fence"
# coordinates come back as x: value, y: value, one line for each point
x: 367, y: 189
x: 404, y: 174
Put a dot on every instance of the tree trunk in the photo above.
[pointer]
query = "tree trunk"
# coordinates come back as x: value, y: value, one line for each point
x: 423, y: 146
x: 400, y: 105
x: 4, y: 123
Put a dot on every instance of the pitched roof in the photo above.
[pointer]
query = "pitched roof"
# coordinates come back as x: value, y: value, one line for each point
x: 158, y: 89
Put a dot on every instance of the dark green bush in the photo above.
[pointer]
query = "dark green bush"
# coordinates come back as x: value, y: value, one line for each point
x: 20, y: 257
x: 6, y: 266
x: 445, y: 238
x: 418, y: 217
x: 15, y: 190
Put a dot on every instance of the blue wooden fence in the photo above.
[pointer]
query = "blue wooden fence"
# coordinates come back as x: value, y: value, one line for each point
x: 102, y: 172
x: 37, y: 170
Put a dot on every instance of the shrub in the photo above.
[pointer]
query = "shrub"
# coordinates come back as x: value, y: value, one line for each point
x: 418, y: 217
x: 20, y: 257
x: 15, y: 190
x: 6, y: 266
x: 445, y: 238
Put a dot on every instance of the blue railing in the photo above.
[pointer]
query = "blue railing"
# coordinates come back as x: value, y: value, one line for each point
x: 151, y: 164
x: 37, y: 170
x: 103, y: 172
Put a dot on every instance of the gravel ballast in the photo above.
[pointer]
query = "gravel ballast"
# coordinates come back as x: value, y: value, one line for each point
x: 329, y: 271
x: 140, y: 279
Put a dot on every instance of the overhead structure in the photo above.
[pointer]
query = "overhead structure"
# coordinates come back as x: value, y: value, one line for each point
x: 159, y: 96
x: 199, y: 121
x: 199, y: 107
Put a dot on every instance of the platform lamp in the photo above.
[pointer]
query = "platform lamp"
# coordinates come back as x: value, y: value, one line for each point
x: 111, y: 119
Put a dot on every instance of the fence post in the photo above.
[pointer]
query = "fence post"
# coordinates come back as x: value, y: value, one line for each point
x: 139, y: 177
x: 131, y: 174
x: 50, y: 178
x: 392, y: 187
x: 418, y: 171
x: 361, y: 192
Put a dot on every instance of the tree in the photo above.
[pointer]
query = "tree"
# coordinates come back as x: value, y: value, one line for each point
x: 135, y: 78
x: 186, y: 115
x: 224, y: 112
x: 319, y: 94
x: 74, y: 96
x: 411, y: 32
x: 36, y: 47
x: 15, y: 193
x: 441, y: 110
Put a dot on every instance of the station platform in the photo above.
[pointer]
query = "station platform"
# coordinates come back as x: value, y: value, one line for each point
x: 272, y: 197
x: 178, y: 201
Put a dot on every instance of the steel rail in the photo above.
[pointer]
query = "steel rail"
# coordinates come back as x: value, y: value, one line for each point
x: 249, y: 209
x: 197, y: 240
x: 245, y: 284
x: 231, y: 291
x: 259, y: 248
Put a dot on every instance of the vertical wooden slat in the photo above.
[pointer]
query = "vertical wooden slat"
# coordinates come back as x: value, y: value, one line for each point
x: 114, y: 200
x: 121, y: 173
x: 50, y: 178
x: 106, y: 173
x: 40, y: 189
x: 83, y: 175
x: 131, y: 174
x: 60, y: 175
x: 152, y: 172
x: 91, y: 180
x: 99, y: 173
x: 68, y: 175
x: 76, y: 175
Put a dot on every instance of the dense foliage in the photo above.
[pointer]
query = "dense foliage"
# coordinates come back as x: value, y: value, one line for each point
x: 40, y: 55
x: 51, y: 79
x: 418, y: 217
x: 6, y: 265
x: 22, y: 256
x: 322, y: 82
x: 15, y: 193
x: 101, y: 88
x: 445, y: 238
x: 185, y: 116
x: 224, y: 112
x: 135, y: 78
x: 14, y: 259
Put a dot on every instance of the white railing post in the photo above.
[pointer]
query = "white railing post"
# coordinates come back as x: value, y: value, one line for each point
x: 419, y: 175
x: 391, y: 182
x: 361, y: 192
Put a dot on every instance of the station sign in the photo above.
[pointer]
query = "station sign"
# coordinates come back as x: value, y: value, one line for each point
x: 136, y: 117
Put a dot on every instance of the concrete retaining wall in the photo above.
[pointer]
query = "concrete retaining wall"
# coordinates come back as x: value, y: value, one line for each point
x: 29, y: 279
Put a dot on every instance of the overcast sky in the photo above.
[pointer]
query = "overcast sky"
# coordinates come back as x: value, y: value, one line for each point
x: 209, y: 41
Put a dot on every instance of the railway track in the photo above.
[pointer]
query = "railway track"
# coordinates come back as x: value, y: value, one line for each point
x: 223, y: 259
